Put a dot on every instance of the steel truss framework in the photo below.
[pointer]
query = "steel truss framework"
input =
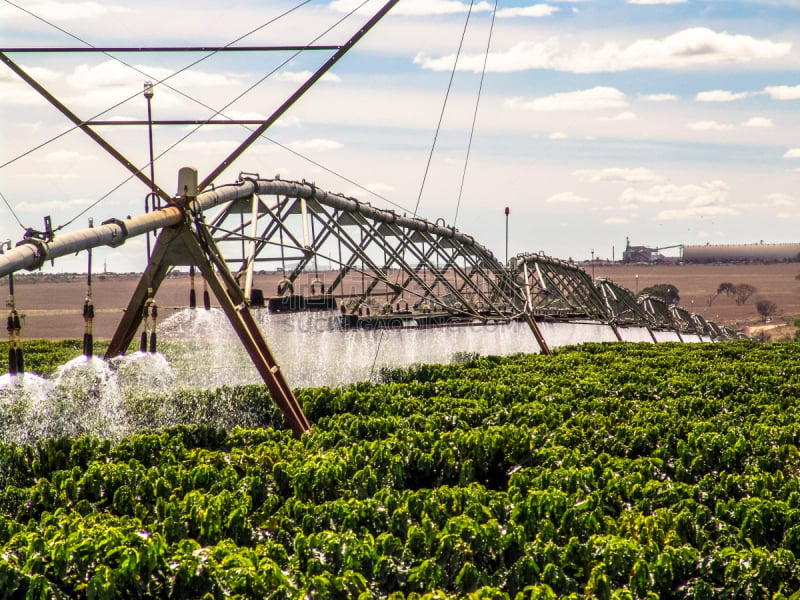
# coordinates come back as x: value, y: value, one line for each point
x: 388, y: 270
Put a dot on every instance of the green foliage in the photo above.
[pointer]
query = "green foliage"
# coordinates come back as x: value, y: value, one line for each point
x: 624, y: 471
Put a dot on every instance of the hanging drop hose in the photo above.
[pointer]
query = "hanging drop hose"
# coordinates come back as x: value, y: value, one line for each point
x: 153, y: 315
x: 16, y: 364
x: 12, y: 352
x: 145, y: 320
x: 88, y: 308
x: 192, y: 293
x: 88, y: 316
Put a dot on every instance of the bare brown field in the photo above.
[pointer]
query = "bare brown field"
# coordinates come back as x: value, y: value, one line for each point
x: 53, y: 306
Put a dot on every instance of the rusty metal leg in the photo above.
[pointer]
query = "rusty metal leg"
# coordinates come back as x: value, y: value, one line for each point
x: 537, y: 333
x: 231, y: 300
x: 269, y: 371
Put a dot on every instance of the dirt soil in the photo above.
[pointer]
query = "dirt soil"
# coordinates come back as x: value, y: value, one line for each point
x: 53, y: 304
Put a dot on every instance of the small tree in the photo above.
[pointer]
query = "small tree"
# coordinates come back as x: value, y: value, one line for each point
x: 743, y: 293
x: 726, y: 288
x: 766, y: 308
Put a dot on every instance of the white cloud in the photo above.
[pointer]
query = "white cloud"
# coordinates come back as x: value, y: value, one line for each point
x: 780, y: 199
x: 65, y: 11
x: 51, y: 205
x: 758, y: 122
x: 710, y: 126
x: 640, y: 175
x: 112, y: 73
x: 783, y: 92
x: 693, y: 201
x: 697, y: 212
x: 623, y: 116
x: 652, y: 2
x: 567, y: 198
x: 616, y: 221
x: 696, y: 46
x: 536, y: 10
x: 720, y: 96
x: 792, y: 153
x: 558, y: 135
x: 659, y: 97
x: 597, y: 98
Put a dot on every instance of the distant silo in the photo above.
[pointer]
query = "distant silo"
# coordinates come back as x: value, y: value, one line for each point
x: 741, y: 253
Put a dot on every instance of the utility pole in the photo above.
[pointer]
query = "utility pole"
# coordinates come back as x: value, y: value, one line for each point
x: 151, y: 197
x: 508, y: 211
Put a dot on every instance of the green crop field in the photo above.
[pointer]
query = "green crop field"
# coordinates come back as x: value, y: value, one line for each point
x: 604, y: 471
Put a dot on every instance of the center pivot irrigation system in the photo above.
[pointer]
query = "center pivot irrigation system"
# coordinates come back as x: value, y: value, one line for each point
x: 370, y: 268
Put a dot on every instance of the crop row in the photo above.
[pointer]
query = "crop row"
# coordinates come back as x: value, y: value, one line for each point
x: 610, y: 471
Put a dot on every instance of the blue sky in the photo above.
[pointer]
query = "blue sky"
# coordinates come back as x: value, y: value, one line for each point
x: 664, y: 121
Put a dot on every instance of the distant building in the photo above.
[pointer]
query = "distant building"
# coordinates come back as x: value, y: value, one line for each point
x: 742, y: 253
x: 634, y: 254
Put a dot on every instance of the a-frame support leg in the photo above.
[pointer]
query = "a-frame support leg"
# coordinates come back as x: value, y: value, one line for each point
x: 202, y: 252
x: 537, y: 333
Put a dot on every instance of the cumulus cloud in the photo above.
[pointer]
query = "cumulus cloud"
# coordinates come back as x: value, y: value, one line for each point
x: 50, y: 206
x: 720, y: 96
x: 659, y: 97
x: 536, y: 10
x: 639, y: 175
x: 710, y: 126
x: 758, y: 122
x: 65, y: 11
x: 686, y: 201
x: 597, y: 98
x: 558, y: 135
x: 623, y: 116
x: 696, y: 46
x: 792, y: 153
x: 567, y: 198
x: 783, y: 92
x: 778, y: 199
x: 112, y: 73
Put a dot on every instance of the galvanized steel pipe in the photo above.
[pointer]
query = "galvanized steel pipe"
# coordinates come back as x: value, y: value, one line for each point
x: 31, y: 253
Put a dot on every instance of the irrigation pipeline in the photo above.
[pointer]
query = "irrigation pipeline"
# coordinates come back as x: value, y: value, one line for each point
x: 30, y: 253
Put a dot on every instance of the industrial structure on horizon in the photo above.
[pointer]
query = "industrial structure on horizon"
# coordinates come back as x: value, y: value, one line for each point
x: 710, y: 253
